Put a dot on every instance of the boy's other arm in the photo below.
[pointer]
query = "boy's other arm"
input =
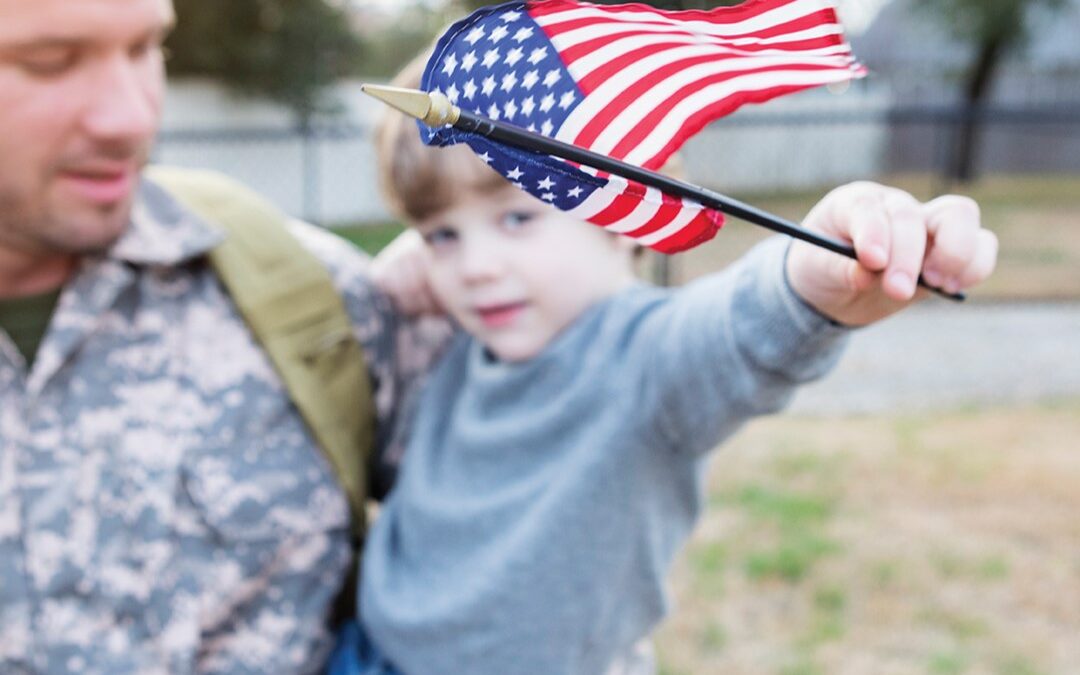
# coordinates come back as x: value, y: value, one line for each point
x: 728, y: 347
x: 896, y: 238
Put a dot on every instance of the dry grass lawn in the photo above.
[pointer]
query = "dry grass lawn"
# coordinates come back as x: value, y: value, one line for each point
x: 939, y: 544
x: 1036, y: 218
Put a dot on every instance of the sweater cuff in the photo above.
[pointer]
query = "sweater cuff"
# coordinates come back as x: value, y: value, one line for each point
x: 799, y: 335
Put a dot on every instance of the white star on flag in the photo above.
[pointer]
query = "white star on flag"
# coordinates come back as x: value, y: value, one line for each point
x: 491, y: 56
x: 537, y: 55
x: 516, y: 173
x: 531, y: 78
x: 468, y: 61
x: 546, y: 184
x: 498, y: 34
x: 474, y: 35
x: 514, y: 56
x: 450, y: 65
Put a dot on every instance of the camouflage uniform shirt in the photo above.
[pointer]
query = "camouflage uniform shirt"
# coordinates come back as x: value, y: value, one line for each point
x: 162, y: 507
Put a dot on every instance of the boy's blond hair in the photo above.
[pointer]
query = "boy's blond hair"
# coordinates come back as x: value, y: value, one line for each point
x: 417, y: 180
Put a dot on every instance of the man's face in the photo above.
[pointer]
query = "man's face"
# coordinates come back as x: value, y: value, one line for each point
x: 81, y: 85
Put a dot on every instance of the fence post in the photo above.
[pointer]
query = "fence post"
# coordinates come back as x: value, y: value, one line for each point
x: 312, y: 199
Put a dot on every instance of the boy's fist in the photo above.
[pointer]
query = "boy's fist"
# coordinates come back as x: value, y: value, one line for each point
x: 896, y: 238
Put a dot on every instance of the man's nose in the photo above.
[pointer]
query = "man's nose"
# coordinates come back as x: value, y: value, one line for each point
x: 125, y: 104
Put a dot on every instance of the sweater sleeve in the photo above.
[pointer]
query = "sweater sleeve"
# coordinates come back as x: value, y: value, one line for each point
x: 729, y: 347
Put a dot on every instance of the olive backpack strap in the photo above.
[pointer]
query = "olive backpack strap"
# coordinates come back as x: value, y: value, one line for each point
x: 290, y: 304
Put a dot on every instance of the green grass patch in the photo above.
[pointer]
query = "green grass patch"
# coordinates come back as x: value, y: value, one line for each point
x: 1016, y: 664
x: 803, y: 666
x: 713, y: 637
x: 947, y: 663
x: 708, y: 562
x: 369, y: 237
x: 787, y: 509
x: 959, y: 626
x: 791, y: 559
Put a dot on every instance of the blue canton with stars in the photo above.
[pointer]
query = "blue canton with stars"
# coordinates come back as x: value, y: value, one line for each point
x: 499, y: 63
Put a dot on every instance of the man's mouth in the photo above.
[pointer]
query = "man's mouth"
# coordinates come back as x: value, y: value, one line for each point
x: 499, y: 315
x: 102, y: 185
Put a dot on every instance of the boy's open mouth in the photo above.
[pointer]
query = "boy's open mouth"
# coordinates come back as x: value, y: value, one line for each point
x: 496, y: 316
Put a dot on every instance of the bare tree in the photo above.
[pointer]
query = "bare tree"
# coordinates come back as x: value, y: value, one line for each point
x: 993, y: 28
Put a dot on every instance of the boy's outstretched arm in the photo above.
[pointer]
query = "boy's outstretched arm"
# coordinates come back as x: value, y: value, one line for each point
x: 896, y: 238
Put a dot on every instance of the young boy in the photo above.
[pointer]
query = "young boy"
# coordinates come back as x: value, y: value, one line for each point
x: 554, y: 458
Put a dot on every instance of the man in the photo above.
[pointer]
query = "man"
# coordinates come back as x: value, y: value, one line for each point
x: 162, y: 507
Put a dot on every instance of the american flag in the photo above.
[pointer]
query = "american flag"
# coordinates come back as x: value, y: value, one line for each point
x: 629, y: 81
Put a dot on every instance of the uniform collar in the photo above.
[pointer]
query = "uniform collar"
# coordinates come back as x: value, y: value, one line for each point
x: 162, y: 232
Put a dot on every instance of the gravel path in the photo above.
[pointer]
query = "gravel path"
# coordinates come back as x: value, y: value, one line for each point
x: 943, y: 355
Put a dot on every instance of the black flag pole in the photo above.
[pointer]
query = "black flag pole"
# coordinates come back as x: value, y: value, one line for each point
x: 435, y: 110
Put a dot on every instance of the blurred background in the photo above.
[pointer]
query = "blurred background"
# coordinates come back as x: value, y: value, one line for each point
x: 919, y: 510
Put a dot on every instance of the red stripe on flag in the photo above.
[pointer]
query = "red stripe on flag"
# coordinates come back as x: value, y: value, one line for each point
x: 620, y: 208
x: 664, y: 215
x: 701, y: 229
x: 719, y: 15
x: 648, y: 124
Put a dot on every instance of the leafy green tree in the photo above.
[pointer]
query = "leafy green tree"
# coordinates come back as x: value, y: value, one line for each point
x: 993, y: 28
x: 287, y: 50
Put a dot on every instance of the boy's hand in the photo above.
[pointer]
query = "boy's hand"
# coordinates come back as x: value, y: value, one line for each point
x: 400, y: 271
x: 895, y: 239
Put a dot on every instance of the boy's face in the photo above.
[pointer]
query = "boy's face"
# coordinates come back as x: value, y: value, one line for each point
x: 514, y: 272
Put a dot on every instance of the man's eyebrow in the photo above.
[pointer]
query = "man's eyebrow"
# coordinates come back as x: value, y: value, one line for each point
x: 64, y: 42
x: 46, y: 42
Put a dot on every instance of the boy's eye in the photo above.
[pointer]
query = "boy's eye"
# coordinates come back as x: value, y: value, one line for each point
x: 439, y: 237
x: 516, y: 219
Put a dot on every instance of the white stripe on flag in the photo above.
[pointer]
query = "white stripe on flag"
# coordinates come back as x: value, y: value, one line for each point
x: 598, y: 100
x: 572, y: 38
x: 642, y: 213
x: 663, y: 132
x: 599, y: 200
x: 619, y: 49
x: 687, y: 214
x: 780, y: 15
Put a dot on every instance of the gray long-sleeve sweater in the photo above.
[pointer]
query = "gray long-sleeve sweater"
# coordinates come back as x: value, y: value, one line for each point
x: 540, y: 503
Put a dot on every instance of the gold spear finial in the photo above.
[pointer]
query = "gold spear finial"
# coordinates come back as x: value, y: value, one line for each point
x: 434, y: 109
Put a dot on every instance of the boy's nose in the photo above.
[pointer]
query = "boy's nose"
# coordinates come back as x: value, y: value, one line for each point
x: 480, y: 261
